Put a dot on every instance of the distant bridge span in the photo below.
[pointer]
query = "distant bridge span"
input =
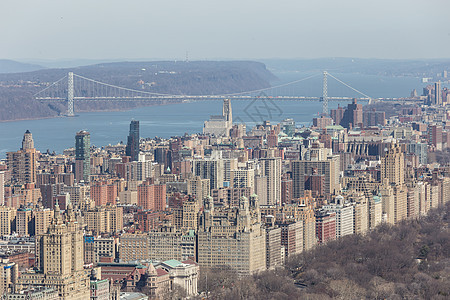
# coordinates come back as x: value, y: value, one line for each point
x: 92, y: 90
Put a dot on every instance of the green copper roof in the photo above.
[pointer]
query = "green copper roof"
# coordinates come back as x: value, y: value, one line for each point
x: 336, y: 127
x: 173, y: 263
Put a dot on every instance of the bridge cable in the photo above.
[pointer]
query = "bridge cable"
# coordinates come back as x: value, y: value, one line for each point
x: 175, y: 95
x: 123, y: 88
x: 54, y: 83
x: 270, y: 88
x: 349, y: 86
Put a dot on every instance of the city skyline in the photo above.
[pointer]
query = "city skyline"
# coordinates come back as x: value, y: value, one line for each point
x: 253, y: 199
x: 224, y: 149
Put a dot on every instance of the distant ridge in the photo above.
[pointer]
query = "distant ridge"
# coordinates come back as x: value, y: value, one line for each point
x: 12, y: 66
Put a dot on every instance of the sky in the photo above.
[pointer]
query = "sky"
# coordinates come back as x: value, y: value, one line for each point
x: 227, y: 29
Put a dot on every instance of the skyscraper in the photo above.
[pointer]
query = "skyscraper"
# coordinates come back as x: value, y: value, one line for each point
x: 271, y: 168
x: 23, y: 162
x: 301, y: 169
x: 393, y: 189
x: 220, y: 125
x: 27, y: 142
x: 226, y: 111
x: 82, y: 156
x: 59, y: 258
x: 211, y: 169
x: 132, y: 148
x: 393, y: 165
x: 437, y: 93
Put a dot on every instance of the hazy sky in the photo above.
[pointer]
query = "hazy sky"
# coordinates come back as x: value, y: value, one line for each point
x: 209, y: 29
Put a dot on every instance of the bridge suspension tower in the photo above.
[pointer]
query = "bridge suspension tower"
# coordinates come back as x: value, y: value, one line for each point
x: 325, y: 94
x: 70, y: 111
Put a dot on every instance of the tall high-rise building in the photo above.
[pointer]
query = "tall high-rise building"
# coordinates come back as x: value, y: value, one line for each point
x: 393, y: 191
x: 198, y: 187
x: 27, y: 142
x: 337, y: 114
x: 132, y: 148
x: 435, y: 136
x: 103, y: 193
x: 393, y: 165
x: 7, y: 216
x: 302, y: 169
x: 226, y: 111
x: 271, y: 168
x: 437, y: 93
x: 243, y: 178
x: 59, y: 258
x: 8, y: 276
x: 292, y: 237
x: 82, y: 156
x: 306, y: 215
x: 420, y: 150
x: 212, y: 169
x: 23, y: 221
x: 220, y: 125
x: 325, y: 226
x: 344, y: 216
x: 23, y: 162
x: 275, y: 254
x: 42, y: 220
x: 374, y: 118
x: 104, y: 219
x: 152, y: 196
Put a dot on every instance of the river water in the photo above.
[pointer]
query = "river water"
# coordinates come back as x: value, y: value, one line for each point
x: 106, y: 128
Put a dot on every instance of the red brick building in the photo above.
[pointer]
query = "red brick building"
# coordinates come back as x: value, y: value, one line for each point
x: 325, y: 226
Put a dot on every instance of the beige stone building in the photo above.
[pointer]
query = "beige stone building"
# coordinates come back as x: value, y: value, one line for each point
x: 104, y: 219
x: 9, y: 273
x: 167, y: 243
x: 42, y: 220
x: 307, y: 215
x: 198, y: 187
x: 79, y: 194
x: 191, y: 208
x: 7, y: 216
x: 234, y: 237
x: 393, y: 190
x: 59, y: 259
x: 23, y: 221
x: 23, y: 162
x: 360, y: 212
x: 243, y: 178
x: 393, y: 165
x: 271, y: 168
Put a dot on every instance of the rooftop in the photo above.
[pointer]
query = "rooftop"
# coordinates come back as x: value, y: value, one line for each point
x: 133, y: 296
